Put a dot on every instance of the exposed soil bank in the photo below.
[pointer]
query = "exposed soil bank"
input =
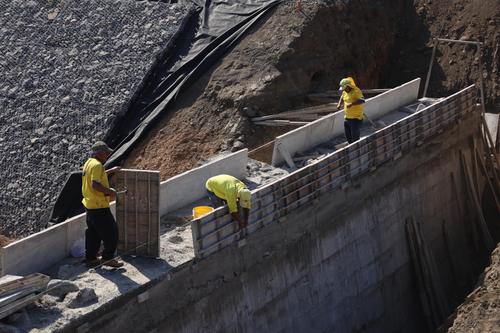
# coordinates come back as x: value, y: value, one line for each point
x: 480, y: 312
x: 457, y: 65
x: 272, y: 69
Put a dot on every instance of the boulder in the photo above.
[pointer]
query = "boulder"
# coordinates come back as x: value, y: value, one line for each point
x: 60, y: 288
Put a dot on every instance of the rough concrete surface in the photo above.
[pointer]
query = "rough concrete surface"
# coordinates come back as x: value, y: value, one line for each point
x: 337, y: 265
x: 69, y: 68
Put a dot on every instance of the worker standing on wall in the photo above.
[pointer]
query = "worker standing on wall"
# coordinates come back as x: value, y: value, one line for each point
x: 228, y: 189
x: 353, y: 100
x: 101, y: 225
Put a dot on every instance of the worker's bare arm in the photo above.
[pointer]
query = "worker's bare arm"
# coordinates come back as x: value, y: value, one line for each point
x: 103, y: 189
x: 339, y: 104
x: 246, y: 214
x: 236, y: 217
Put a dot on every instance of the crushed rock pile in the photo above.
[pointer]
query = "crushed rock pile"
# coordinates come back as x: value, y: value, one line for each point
x: 69, y: 68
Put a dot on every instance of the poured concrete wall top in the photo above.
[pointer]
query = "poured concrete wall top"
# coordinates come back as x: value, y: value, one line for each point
x: 69, y: 68
x: 328, y: 127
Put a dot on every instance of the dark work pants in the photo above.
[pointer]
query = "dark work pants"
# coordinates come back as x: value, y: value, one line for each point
x: 352, y: 129
x: 215, y: 200
x: 101, y: 226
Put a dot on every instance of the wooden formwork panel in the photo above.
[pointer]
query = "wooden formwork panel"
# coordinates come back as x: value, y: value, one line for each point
x: 137, y: 212
x: 303, y: 186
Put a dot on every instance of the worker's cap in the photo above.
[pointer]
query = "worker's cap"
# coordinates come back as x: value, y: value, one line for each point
x: 101, y: 147
x: 245, y: 198
x: 345, y: 83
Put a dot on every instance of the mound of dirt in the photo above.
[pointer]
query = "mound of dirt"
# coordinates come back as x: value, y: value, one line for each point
x: 481, y: 310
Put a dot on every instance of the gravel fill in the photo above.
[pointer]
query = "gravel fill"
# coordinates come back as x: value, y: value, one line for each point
x: 69, y: 68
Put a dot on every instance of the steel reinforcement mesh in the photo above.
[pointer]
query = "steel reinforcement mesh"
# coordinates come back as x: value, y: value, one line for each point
x: 69, y: 68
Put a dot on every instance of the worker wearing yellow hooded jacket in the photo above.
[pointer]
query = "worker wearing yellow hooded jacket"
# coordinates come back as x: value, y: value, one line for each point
x: 228, y: 189
x: 352, y: 98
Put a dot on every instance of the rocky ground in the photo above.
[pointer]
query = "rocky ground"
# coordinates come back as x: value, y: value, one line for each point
x: 68, y: 69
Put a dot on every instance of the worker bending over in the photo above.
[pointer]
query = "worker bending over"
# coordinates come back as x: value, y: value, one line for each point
x: 353, y: 101
x: 228, y: 189
x: 101, y: 225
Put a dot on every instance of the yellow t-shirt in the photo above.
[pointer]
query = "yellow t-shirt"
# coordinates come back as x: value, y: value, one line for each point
x: 93, y: 170
x: 226, y: 187
x: 355, y: 111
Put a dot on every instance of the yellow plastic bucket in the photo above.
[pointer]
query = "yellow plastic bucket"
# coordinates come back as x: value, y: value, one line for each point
x: 199, y: 211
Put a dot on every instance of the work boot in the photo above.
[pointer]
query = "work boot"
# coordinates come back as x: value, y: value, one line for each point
x: 92, y: 263
x: 243, y: 233
x: 113, y: 263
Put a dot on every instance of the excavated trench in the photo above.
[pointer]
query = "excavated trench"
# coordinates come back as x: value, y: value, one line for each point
x: 342, y: 264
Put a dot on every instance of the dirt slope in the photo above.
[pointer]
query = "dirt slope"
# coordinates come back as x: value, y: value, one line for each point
x: 272, y: 69
x: 457, y: 65
x: 481, y: 310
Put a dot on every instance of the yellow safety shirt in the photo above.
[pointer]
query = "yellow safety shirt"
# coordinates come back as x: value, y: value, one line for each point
x: 93, y: 170
x: 355, y: 111
x: 226, y: 187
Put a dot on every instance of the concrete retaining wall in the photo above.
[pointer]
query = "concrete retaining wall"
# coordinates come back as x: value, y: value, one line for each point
x: 273, y: 201
x: 39, y: 251
x: 328, y: 127
x: 189, y: 187
x: 340, y: 264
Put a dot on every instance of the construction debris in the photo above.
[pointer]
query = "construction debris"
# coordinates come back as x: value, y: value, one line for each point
x: 16, y: 292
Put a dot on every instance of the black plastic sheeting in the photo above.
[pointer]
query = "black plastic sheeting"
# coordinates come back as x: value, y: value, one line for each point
x: 205, y: 39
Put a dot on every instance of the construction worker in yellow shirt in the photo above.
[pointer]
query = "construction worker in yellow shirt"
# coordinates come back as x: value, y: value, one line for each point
x: 228, y: 189
x: 101, y: 225
x: 352, y: 99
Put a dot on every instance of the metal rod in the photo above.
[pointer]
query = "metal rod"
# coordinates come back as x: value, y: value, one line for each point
x: 470, y: 42
x: 481, y: 79
x: 427, y: 80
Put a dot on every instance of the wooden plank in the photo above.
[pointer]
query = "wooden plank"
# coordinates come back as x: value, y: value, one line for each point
x: 488, y: 240
x: 35, y: 280
x: 137, y: 212
x: 18, y: 304
x: 422, y: 287
x: 280, y: 122
x: 488, y: 180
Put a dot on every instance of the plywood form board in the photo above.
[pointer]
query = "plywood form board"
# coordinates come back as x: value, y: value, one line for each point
x: 137, y: 212
x: 302, y: 186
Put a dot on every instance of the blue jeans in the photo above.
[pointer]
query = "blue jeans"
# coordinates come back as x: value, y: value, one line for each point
x: 352, y: 129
